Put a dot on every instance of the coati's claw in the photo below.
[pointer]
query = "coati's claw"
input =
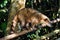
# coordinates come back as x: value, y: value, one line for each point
x: 11, y: 32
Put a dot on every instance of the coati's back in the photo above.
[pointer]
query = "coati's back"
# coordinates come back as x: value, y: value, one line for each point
x: 27, y: 12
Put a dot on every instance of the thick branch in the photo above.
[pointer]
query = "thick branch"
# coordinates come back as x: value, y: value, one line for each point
x: 17, y: 34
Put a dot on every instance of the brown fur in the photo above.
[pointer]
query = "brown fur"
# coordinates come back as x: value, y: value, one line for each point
x: 28, y: 15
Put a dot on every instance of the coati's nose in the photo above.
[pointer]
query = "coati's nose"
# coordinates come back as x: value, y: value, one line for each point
x: 49, y: 25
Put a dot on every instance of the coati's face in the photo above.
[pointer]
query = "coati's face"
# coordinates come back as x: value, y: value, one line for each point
x: 40, y: 19
x: 45, y: 21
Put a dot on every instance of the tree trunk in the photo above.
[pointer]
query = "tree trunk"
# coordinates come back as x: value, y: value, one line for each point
x: 15, y: 6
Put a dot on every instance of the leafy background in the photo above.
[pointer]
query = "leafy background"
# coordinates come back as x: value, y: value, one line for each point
x: 47, y: 7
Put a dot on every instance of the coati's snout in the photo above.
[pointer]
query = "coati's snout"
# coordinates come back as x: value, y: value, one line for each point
x: 45, y: 21
x: 46, y: 24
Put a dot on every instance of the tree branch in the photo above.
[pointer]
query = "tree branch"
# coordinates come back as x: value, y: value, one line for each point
x: 17, y: 34
x: 26, y: 31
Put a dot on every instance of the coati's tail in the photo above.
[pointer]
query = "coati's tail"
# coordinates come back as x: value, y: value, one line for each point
x: 11, y: 15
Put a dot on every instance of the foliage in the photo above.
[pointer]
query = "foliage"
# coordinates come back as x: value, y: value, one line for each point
x: 3, y: 16
x: 49, y: 8
x: 3, y: 3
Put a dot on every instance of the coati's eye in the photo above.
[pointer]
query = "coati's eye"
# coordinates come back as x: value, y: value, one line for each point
x: 45, y: 19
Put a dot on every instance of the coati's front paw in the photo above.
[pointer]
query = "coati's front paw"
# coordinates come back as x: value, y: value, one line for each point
x: 32, y: 28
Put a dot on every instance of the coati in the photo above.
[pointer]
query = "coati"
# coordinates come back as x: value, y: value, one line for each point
x: 28, y: 17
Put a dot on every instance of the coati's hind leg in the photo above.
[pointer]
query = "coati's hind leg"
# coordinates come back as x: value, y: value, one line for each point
x: 22, y: 24
x: 21, y: 20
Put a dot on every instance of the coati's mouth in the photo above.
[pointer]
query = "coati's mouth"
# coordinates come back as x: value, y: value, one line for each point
x: 44, y: 25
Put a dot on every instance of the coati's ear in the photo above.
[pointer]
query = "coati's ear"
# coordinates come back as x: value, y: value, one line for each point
x: 47, y: 20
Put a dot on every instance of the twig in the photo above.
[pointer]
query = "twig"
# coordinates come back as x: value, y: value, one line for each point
x: 54, y: 21
x: 3, y: 10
